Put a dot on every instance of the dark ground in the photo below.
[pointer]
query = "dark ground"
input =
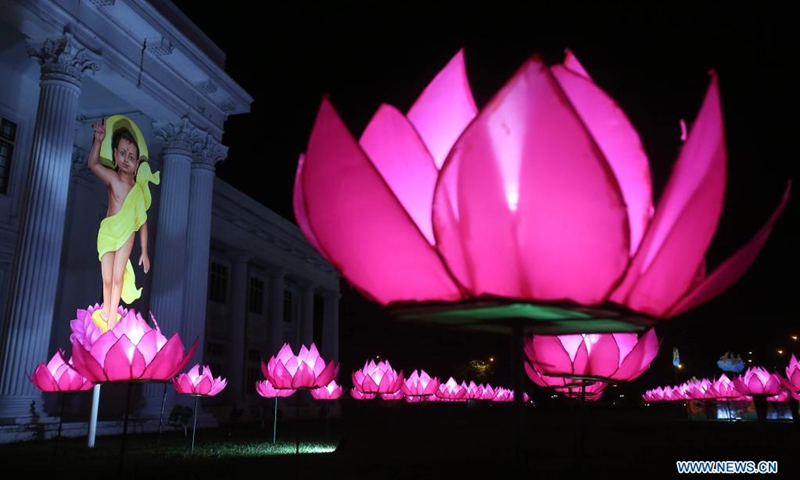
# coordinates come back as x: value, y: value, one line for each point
x: 378, y: 440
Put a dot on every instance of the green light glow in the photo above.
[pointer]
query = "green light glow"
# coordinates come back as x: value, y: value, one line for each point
x: 497, y: 317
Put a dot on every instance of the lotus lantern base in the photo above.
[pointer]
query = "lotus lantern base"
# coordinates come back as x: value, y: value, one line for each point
x: 543, y: 318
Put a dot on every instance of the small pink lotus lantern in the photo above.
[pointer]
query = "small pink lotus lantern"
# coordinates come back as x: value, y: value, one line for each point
x: 331, y: 391
x: 606, y: 356
x: 757, y: 381
x: 58, y: 375
x: 451, y: 391
x: 435, y: 195
x: 792, y: 380
x: 132, y: 350
x: 724, y: 388
x: 266, y: 390
x: 377, y: 378
x: 199, y: 382
x: 419, y: 384
x: 304, y: 370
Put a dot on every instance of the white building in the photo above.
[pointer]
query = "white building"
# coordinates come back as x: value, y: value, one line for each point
x: 216, y: 254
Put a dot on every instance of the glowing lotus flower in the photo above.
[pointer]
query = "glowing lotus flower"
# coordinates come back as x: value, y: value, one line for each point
x: 792, y: 380
x: 544, y: 194
x: 199, y: 382
x: 132, y: 350
x: 418, y: 384
x: 304, y: 370
x: 377, y: 378
x: 724, y: 388
x: 451, y: 391
x: 361, y: 396
x: 266, y: 390
x: 58, y: 375
x: 757, y: 381
x: 615, y: 356
x: 331, y: 391
x: 488, y: 393
x: 474, y: 391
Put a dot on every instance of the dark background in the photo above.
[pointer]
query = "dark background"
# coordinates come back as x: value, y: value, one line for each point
x: 653, y: 59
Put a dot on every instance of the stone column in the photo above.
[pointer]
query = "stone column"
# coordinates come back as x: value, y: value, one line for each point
x: 306, y: 327
x: 173, y: 215
x: 330, y: 326
x: 276, y: 326
x: 169, y: 253
x: 236, y: 348
x: 198, y: 243
x: 26, y: 332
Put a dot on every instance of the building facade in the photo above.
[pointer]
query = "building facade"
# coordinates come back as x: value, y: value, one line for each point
x: 226, y: 271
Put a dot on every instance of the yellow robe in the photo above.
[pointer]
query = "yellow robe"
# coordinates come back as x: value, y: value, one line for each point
x: 118, y: 228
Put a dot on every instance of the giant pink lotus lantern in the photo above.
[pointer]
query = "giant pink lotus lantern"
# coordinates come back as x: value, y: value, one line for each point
x: 605, y: 356
x: 199, y: 382
x: 542, y: 195
x: 132, y: 350
x: 304, y: 370
x: 58, y: 375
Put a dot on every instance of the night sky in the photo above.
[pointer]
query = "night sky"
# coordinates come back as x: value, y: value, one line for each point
x: 652, y: 59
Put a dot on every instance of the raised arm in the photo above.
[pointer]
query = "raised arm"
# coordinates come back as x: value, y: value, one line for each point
x: 106, y: 175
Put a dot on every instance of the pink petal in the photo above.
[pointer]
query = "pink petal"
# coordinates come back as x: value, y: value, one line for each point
x: 550, y: 355
x: 731, y: 269
x: 526, y: 205
x: 639, y: 358
x: 685, y: 220
x: 617, y: 139
x: 357, y: 219
x: 298, y: 201
x: 604, y: 359
x: 444, y: 109
x: 402, y: 160
x: 203, y: 386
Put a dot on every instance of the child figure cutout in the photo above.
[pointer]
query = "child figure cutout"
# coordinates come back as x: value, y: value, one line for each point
x: 129, y: 199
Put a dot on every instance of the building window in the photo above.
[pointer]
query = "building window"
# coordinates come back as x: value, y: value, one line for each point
x: 253, y: 376
x: 288, y: 306
x: 218, y: 283
x: 255, y: 302
x: 8, y: 136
